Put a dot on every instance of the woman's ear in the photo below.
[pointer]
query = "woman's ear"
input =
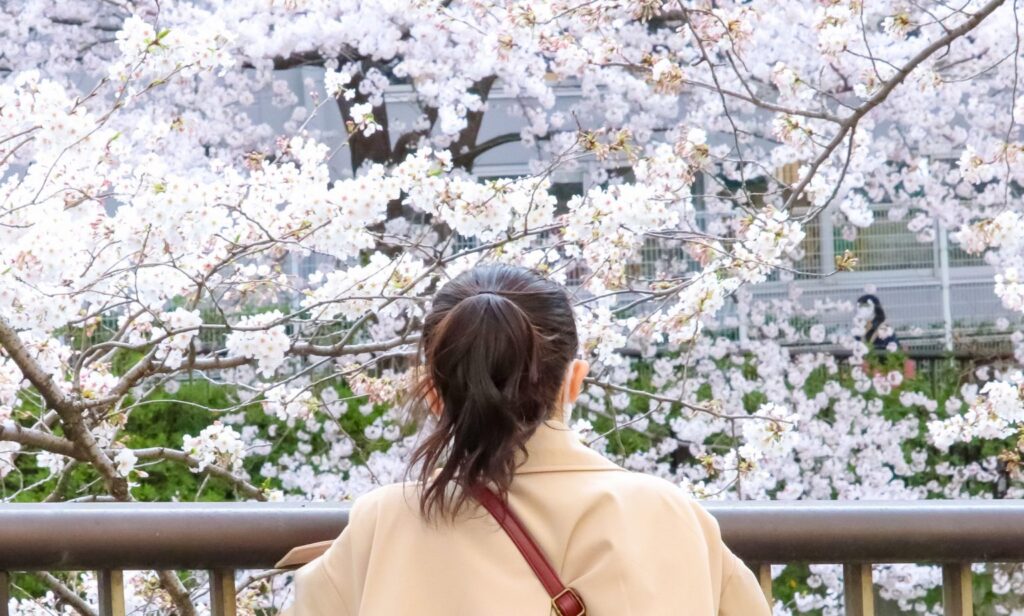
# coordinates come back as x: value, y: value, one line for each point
x: 433, y: 401
x: 577, y: 373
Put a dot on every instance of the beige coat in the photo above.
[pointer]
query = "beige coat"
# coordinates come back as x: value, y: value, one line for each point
x: 631, y: 544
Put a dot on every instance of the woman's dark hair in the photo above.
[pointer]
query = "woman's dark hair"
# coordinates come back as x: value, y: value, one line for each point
x: 496, y: 346
x: 877, y: 319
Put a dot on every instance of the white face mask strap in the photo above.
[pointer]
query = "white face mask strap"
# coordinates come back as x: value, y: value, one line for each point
x: 566, y: 403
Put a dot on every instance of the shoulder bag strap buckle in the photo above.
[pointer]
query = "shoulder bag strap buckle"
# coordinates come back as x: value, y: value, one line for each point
x: 577, y: 610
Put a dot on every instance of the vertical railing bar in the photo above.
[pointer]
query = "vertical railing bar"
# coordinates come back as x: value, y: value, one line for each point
x: 858, y: 589
x: 111, y: 592
x: 222, y: 592
x: 5, y: 593
x: 764, y: 577
x: 957, y: 590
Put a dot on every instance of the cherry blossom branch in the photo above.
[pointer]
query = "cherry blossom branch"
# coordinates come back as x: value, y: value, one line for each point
x: 175, y: 455
x: 70, y: 412
x: 468, y: 157
x: 57, y: 494
x: 725, y: 107
x: 74, y: 21
x: 697, y: 408
x: 11, y: 431
x: 66, y: 594
x: 766, y: 105
x: 850, y: 122
x: 177, y: 592
x: 257, y: 577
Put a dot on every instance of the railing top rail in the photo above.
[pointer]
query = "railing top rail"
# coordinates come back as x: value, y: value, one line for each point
x: 255, y: 535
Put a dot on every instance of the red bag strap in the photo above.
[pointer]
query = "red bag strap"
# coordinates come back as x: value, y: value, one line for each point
x: 564, y: 600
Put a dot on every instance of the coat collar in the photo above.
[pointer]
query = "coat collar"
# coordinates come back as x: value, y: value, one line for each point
x: 555, y: 447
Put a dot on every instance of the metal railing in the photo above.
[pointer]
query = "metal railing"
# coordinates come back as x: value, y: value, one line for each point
x: 222, y: 538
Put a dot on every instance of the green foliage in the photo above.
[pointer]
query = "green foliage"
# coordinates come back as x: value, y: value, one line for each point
x: 162, y: 421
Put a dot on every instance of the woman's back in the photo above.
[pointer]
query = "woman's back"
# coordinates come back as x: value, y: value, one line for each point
x: 499, y: 349
x: 629, y: 543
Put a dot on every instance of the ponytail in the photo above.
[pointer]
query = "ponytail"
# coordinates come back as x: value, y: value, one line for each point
x: 495, y: 348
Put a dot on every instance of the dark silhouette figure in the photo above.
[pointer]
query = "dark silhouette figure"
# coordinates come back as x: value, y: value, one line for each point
x: 873, y: 332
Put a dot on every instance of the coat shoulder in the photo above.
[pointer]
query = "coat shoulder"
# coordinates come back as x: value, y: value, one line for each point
x: 386, y: 499
x: 657, y: 494
x: 642, y: 485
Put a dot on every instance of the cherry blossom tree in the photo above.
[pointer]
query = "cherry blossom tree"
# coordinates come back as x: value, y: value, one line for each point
x: 151, y: 222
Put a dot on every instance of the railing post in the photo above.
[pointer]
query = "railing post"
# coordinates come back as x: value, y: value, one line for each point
x: 764, y: 577
x: 222, y: 592
x: 111, y: 592
x: 957, y: 590
x: 858, y: 590
x: 5, y: 593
